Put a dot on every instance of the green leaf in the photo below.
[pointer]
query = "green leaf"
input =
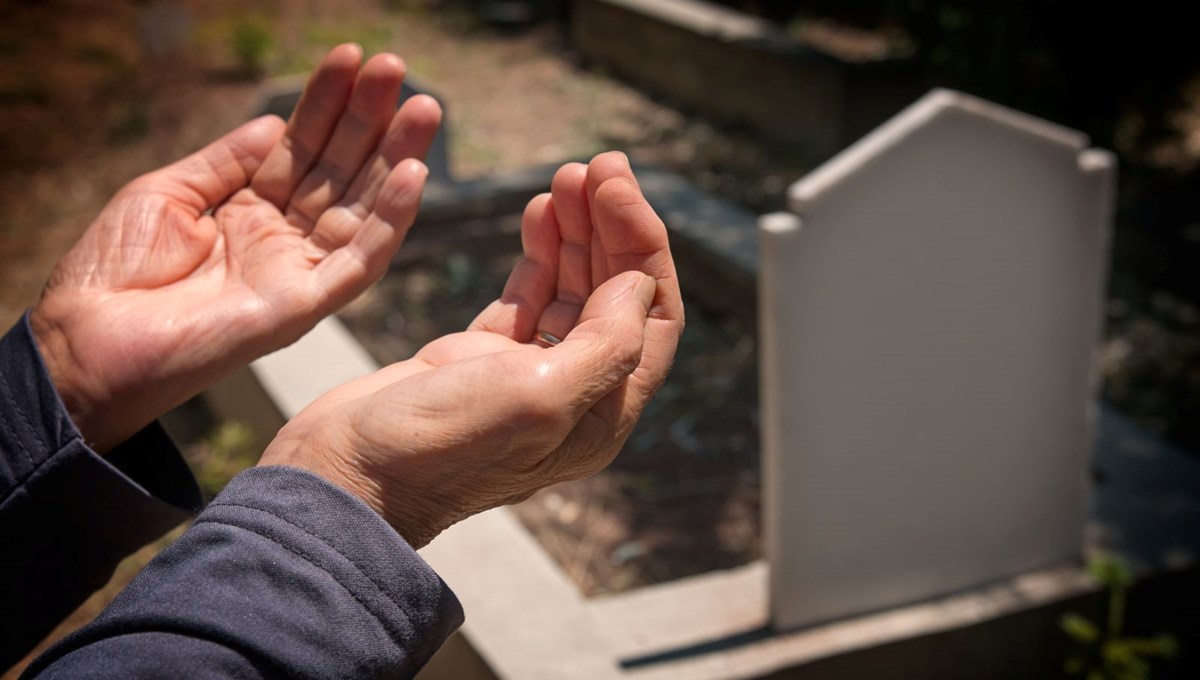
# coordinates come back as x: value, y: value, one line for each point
x: 1078, y: 628
x: 1110, y: 571
x: 1161, y: 645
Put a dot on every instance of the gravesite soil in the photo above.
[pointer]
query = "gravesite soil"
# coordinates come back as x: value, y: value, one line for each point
x: 93, y: 94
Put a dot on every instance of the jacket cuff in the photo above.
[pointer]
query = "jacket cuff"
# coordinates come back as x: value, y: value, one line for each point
x: 338, y: 533
x: 36, y: 428
x: 69, y: 516
x: 283, y: 575
x: 35, y: 423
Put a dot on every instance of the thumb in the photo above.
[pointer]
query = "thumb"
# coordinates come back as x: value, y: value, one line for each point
x: 605, y: 346
x: 211, y: 175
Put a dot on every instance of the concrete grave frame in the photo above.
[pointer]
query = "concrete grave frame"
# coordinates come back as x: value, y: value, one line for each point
x: 735, y: 67
x: 525, y: 619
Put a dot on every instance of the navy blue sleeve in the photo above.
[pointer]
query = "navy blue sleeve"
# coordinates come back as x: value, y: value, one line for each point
x: 284, y: 575
x: 68, y: 516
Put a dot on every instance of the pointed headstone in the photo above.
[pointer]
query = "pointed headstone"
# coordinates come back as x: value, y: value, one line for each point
x: 929, y: 307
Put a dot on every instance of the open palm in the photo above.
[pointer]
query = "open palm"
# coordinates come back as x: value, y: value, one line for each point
x: 489, y: 415
x: 198, y: 268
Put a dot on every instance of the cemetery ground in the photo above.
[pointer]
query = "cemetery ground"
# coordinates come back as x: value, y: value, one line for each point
x: 85, y: 106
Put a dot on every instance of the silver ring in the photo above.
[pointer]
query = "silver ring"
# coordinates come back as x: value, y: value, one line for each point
x: 547, y: 339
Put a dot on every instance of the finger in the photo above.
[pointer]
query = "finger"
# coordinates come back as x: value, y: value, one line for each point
x: 350, y: 269
x: 544, y: 392
x: 574, y: 283
x: 600, y: 270
x: 575, y: 226
x: 602, y: 353
x: 627, y: 242
x: 603, y: 167
x: 409, y: 135
x: 605, y: 347
x: 206, y: 178
x: 634, y: 238
x: 362, y: 124
x: 607, y: 165
x: 631, y: 233
x: 534, y: 279
x: 310, y: 126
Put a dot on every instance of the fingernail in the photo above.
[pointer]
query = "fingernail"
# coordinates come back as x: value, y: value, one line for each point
x: 393, y: 60
x: 646, y: 288
x: 415, y: 166
x: 355, y: 47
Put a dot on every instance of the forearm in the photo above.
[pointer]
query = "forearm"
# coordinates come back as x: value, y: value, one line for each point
x: 283, y: 575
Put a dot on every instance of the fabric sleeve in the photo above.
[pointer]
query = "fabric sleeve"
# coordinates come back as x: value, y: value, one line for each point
x: 284, y: 575
x: 68, y: 516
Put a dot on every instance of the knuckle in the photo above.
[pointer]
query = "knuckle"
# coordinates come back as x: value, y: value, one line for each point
x: 627, y: 354
x: 537, y: 403
x: 302, y: 154
x: 618, y: 356
x: 146, y: 183
x: 560, y: 465
x: 589, y: 467
x: 520, y: 497
x: 539, y: 417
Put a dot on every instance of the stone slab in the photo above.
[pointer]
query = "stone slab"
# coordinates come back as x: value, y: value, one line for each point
x: 928, y: 317
x: 324, y: 358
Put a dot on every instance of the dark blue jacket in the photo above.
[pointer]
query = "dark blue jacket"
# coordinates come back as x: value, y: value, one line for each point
x: 282, y: 575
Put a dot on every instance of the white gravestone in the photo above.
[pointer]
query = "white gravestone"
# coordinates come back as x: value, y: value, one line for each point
x: 929, y: 307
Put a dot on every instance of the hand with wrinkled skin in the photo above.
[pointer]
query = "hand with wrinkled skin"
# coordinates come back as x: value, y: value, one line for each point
x: 488, y: 416
x: 198, y: 268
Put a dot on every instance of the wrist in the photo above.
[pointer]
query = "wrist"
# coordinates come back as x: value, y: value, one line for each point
x: 54, y: 347
x: 332, y: 456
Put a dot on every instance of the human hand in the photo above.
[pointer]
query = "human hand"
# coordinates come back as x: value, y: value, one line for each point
x: 196, y: 269
x: 488, y: 416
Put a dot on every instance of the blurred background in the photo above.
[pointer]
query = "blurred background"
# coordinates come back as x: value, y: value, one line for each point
x: 94, y: 93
